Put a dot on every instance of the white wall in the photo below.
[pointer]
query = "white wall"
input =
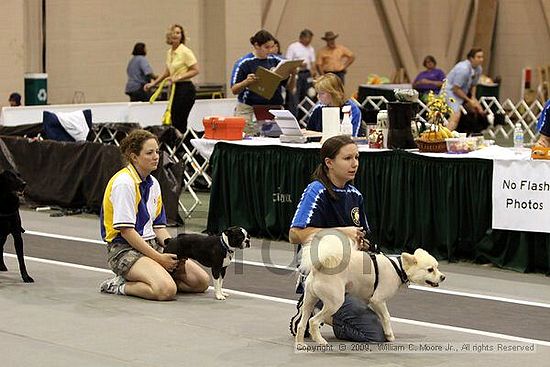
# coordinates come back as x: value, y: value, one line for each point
x: 89, y: 41
x: 12, y: 49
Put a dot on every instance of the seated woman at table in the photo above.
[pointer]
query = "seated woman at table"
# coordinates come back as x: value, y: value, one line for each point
x: 430, y: 79
x: 331, y: 201
x: 243, y: 75
x: 330, y: 92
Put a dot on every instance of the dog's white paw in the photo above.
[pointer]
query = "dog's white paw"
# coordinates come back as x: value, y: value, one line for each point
x: 220, y: 296
x: 225, y: 294
x: 390, y: 337
x: 322, y: 341
x: 300, y: 345
x: 317, y: 337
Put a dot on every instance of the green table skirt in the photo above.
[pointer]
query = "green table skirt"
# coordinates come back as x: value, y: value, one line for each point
x: 442, y: 205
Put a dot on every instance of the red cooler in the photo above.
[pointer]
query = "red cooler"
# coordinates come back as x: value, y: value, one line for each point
x: 223, y: 128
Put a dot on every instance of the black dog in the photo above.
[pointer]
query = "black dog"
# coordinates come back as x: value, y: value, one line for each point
x: 11, y: 185
x: 212, y: 251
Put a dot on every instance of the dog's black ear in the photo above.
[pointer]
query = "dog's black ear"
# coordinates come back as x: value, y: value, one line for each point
x: 231, y: 231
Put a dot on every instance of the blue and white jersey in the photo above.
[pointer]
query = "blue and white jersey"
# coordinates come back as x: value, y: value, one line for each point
x: 318, y: 209
x: 315, y: 121
x: 248, y: 65
x: 543, y: 123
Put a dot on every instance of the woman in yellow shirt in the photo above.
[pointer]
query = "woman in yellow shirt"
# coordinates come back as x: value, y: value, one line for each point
x: 181, y: 66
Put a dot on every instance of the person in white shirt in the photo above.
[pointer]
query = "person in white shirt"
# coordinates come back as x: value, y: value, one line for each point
x: 302, y: 49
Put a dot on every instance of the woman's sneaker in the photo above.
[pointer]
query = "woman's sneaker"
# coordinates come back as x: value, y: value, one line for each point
x: 113, y: 286
x: 295, y: 320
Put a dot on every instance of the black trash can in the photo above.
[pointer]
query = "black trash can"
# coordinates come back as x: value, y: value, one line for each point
x: 400, y: 115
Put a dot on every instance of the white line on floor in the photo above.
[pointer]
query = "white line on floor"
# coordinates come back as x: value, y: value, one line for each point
x: 480, y: 296
x: 61, y: 263
x: 293, y: 302
x: 256, y: 263
x: 275, y: 266
x: 63, y: 237
x: 428, y: 289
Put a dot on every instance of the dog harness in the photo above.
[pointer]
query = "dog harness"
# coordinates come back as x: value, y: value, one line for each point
x: 398, y: 269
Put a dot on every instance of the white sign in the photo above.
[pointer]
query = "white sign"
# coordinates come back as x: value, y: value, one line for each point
x: 521, y: 195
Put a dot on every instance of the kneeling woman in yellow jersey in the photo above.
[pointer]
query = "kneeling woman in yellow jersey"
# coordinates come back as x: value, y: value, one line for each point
x: 133, y: 225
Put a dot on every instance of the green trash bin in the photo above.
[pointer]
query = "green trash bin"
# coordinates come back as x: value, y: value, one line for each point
x: 36, y: 89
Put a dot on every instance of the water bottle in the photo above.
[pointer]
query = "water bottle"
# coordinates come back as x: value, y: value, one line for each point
x: 383, y: 124
x: 518, y: 136
x: 346, y: 128
x: 382, y: 119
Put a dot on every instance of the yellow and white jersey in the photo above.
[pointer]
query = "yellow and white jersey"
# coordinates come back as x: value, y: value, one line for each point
x: 131, y: 202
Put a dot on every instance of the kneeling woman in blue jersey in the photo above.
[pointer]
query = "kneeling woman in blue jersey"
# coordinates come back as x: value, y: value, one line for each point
x: 133, y: 225
x: 331, y: 201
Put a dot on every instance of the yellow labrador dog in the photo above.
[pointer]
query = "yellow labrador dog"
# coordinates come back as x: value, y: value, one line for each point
x: 336, y: 267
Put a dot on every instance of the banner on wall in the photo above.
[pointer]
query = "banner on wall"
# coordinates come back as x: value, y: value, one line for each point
x: 521, y: 195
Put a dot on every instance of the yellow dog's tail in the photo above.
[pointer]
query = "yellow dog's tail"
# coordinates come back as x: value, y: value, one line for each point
x: 331, y: 252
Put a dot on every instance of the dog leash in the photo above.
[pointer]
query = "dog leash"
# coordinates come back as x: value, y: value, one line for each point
x: 167, y: 117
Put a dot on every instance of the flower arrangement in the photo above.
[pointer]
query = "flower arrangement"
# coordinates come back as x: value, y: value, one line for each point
x: 438, y: 108
x: 433, y: 139
x: 438, y: 111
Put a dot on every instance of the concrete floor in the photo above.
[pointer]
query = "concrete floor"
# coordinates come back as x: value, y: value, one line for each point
x: 62, y: 319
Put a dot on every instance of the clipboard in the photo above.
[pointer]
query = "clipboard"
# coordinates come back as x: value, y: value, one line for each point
x: 269, y: 80
x: 267, y: 84
x: 285, y: 67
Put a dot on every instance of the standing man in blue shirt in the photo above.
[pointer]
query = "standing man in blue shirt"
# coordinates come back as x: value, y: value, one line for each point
x: 461, y: 86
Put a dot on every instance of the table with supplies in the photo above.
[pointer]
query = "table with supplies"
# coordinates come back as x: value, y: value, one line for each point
x: 441, y: 202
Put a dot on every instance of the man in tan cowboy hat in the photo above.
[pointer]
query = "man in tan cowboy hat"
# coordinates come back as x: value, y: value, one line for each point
x: 333, y: 58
